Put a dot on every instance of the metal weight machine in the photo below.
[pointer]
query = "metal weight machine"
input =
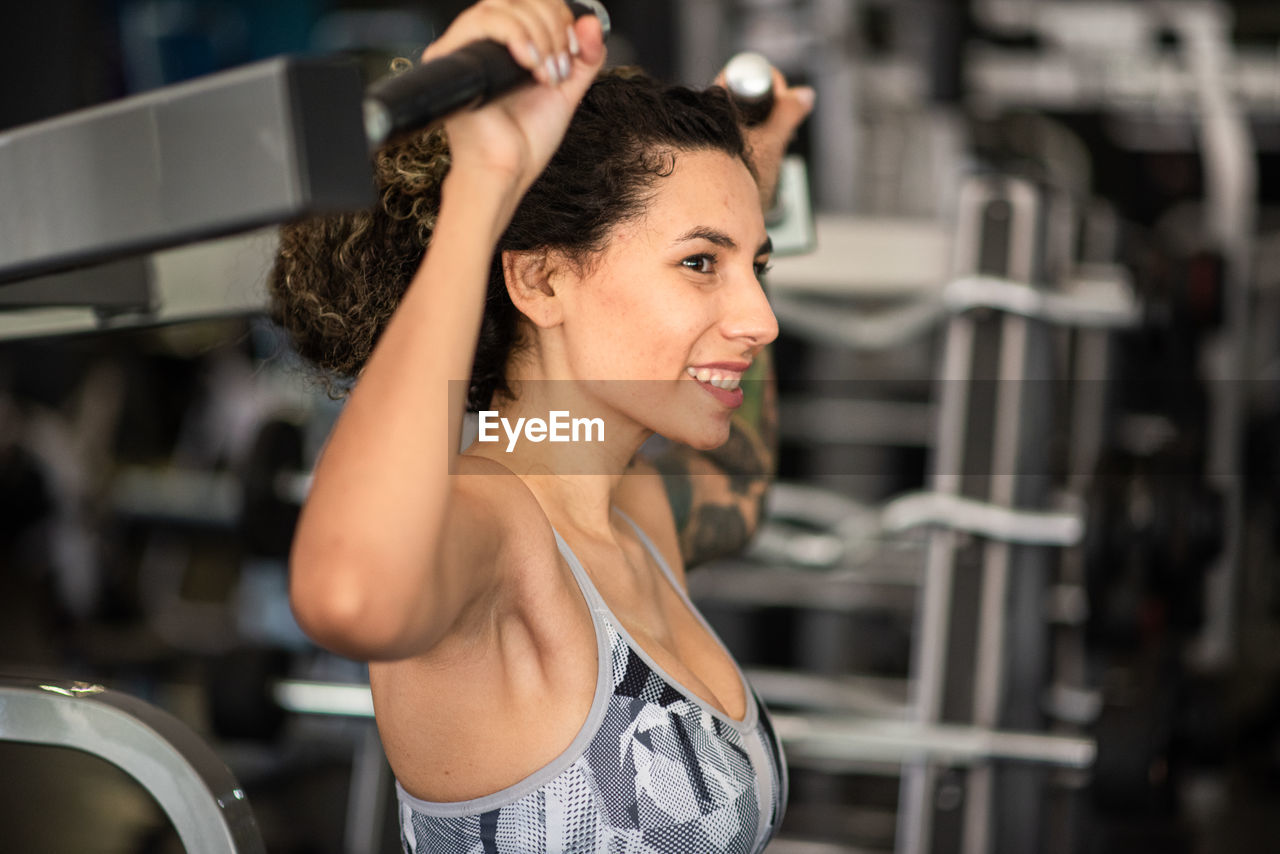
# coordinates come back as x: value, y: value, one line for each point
x: 158, y: 211
x: 982, y: 644
x: 987, y: 559
x: 222, y: 155
x: 204, y: 802
x: 150, y: 211
x: 975, y: 556
x: 1031, y: 323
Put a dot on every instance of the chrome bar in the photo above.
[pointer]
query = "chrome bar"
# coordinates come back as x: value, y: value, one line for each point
x: 863, y: 740
x: 993, y: 521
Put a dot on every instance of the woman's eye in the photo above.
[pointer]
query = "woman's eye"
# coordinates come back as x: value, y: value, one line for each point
x: 763, y: 267
x: 700, y: 263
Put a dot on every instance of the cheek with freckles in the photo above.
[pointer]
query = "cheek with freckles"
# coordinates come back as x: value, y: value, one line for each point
x: 638, y: 332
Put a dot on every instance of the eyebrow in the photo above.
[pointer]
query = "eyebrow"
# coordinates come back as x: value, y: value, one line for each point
x: 719, y: 238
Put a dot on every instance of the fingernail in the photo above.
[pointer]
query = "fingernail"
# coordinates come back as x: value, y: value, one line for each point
x: 553, y: 73
x: 533, y: 52
x: 805, y: 95
x: 566, y: 67
x: 574, y: 47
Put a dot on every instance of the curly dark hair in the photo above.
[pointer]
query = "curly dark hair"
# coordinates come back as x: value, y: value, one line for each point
x: 337, y: 279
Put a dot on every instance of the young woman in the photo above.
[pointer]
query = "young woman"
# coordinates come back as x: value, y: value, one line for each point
x: 592, y: 247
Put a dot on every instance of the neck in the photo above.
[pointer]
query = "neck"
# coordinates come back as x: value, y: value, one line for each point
x: 568, y: 448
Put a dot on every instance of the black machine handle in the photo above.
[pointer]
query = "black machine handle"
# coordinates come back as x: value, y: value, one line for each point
x: 465, y: 79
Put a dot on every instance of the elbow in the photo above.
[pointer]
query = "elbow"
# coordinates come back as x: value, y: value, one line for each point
x: 334, y: 615
x: 339, y: 608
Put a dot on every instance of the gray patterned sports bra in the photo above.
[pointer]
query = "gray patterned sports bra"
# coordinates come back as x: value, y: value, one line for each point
x: 654, y: 770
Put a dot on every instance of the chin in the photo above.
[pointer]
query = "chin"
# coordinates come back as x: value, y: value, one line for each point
x: 693, y: 420
x: 707, y: 439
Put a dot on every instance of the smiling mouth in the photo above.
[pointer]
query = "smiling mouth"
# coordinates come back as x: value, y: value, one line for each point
x: 721, y: 379
x: 724, y: 386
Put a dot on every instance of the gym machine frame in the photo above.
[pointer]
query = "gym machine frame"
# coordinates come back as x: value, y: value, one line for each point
x: 192, y: 785
x: 988, y: 593
x: 1020, y: 321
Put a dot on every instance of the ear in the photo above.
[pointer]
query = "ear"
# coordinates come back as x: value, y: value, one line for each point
x: 530, y: 278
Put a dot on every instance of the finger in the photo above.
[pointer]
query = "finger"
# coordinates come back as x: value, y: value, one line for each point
x: 591, y: 53
x: 792, y: 109
x: 777, y: 95
x: 792, y: 106
x: 519, y: 30
x: 590, y: 40
x: 542, y: 38
x: 559, y: 22
x: 489, y: 20
x: 793, y: 99
x: 467, y: 27
x: 586, y: 65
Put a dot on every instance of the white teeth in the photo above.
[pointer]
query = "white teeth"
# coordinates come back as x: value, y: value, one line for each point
x: 719, y: 379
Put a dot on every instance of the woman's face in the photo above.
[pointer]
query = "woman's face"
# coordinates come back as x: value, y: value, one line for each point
x: 671, y: 315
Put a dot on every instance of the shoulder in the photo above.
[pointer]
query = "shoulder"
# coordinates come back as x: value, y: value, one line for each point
x: 536, y: 602
x: 483, y: 482
x: 500, y: 508
x: 496, y: 529
x: 642, y: 495
x: 533, y: 581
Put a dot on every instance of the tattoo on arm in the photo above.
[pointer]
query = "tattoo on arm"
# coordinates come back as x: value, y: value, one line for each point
x: 673, y: 465
x: 717, y: 530
x: 717, y: 496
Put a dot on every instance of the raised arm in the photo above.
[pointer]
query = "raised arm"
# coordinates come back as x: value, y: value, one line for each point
x: 768, y: 140
x: 390, y: 550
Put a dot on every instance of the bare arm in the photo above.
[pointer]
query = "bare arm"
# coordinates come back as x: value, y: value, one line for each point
x: 369, y: 534
x: 768, y: 141
x: 717, y: 496
x: 390, y: 550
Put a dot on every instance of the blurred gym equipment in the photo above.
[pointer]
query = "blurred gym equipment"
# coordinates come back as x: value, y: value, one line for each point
x: 1015, y: 590
x: 204, y: 802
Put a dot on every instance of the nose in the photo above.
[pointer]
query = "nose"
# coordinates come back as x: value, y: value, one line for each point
x: 748, y: 317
